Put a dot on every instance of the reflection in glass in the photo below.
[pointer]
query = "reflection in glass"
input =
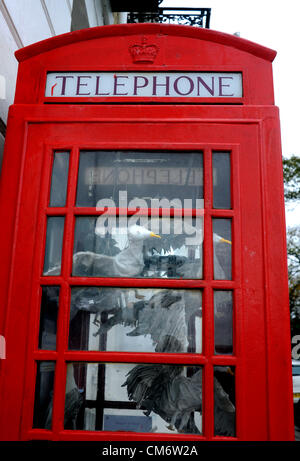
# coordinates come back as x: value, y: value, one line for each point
x: 222, y: 248
x: 140, y: 320
x: 142, y: 175
x: 224, y: 401
x: 54, y: 242
x: 118, y: 247
x: 221, y: 182
x: 223, y: 321
x: 59, y: 180
x: 42, y: 417
x: 48, y: 318
x: 138, y: 398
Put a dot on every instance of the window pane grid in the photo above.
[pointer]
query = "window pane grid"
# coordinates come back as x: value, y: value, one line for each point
x: 140, y: 173
x: 212, y: 428
x: 207, y: 284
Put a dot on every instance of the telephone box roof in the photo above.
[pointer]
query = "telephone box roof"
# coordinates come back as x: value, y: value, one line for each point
x: 133, y: 29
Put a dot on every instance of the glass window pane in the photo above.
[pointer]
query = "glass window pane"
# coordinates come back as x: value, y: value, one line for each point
x: 48, y: 318
x: 54, y: 242
x: 59, y: 180
x: 42, y: 417
x: 136, y: 320
x: 139, y: 175
x: 139, y: 398
x: 222, y: 249
x: 117, y: 247
x: 221, y: 180
x: 224, y: 401
x: 223, y: 322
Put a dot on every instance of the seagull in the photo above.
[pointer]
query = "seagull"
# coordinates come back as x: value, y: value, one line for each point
x: 166, y: 391
x: 193, y: 269
x: 165, y: 318
x: 127, y: 263
x: 131, y: 261
x: 219, y: 270
x: 224, y: 409
x: 166, y: 314
x: 94, y: 300
x: 218, y: 239
x: 175, y: 397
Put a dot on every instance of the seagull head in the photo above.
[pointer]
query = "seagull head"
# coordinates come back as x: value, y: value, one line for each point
x: 136, y: 233
x: 218, y: 239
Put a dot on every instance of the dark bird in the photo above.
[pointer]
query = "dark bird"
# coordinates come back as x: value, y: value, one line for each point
x: 164, y: 390
x: 175, y: 397
x: 167, y: 315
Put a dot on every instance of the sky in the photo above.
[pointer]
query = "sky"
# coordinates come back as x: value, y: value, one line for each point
x: 274, y: 24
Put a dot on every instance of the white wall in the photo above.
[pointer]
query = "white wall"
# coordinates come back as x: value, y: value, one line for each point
x: 23, y: 22
x: 8, y: 66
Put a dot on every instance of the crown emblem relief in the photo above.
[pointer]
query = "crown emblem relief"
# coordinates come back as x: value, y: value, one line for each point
x: 143, y: 53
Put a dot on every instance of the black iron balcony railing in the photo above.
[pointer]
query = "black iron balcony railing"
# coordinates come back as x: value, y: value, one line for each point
x: 199, y: 17
x: 135, y: 5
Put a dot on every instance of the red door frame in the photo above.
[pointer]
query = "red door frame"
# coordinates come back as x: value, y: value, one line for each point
x: 260, y: 352
x: 249, y: 126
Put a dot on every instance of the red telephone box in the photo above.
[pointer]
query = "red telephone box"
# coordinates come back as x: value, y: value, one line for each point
x: 144, y: 280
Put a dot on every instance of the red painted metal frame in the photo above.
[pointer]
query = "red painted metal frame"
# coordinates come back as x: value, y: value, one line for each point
x: 249, y: 131
x: 181, y: 48
x: 65, y: 281
x: 249, y: 315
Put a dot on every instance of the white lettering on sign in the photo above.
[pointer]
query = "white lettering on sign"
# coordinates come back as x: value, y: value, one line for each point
x: 145, y: 175
x: 148, y: 84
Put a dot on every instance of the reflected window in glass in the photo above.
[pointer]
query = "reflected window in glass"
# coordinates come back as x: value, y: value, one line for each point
x: 128, y: 397
x: 143, y: 176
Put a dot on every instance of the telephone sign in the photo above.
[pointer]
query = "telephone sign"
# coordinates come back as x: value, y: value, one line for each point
x: 134, y: 84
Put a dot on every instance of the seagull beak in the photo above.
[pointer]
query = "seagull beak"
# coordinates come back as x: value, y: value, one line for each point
x: 155, y: 235
x: 225, y: 241
x: 229, y: 370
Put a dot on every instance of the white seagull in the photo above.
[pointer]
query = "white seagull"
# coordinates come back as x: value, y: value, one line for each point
x: 128, y: 263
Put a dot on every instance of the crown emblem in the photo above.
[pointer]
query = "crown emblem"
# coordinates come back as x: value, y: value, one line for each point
x: 143, y: 53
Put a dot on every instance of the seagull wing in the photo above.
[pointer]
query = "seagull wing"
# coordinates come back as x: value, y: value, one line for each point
x: 224, y: 411
x: 93, y: 264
